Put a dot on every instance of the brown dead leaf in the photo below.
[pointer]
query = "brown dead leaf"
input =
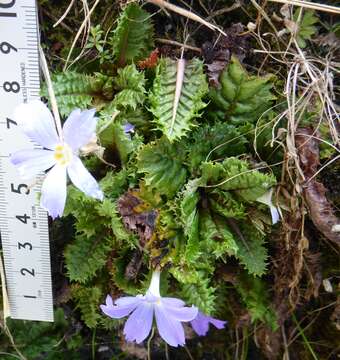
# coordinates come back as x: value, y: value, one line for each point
x: 320, y: 209
x: 217, y: 55
x: 141, y: 223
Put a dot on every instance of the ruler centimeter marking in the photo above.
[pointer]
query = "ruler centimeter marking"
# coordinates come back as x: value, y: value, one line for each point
x: 23, y: 224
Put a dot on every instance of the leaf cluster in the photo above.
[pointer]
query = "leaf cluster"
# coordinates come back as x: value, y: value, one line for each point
x: 182, y: 194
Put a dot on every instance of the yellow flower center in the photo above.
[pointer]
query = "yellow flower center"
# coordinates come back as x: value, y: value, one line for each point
x: 63, y: 154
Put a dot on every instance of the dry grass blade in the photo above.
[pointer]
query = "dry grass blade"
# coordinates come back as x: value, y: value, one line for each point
x: 310, y: 5
x: 179, y: 85
x: 185, y: 13
x: 6, y: 309
x: 51, y: 94
x: 85, y: 25
x: 65, y: 14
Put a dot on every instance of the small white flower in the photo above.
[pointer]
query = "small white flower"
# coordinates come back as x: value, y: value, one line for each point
x: 266, y: 199
x: 60, y: 156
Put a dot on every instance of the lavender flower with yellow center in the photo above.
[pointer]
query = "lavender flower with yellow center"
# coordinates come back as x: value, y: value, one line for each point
x: 169, y: 314
x: 60, y: 156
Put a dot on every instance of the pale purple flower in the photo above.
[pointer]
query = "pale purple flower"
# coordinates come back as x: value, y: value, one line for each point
x: 37, y: 123
x: 128, y: 128
x: 266, y: 199
x: 169, y: 314
x: 201, y: 324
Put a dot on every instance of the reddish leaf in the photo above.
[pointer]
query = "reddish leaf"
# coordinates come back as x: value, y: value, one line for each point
x: 149, y: 62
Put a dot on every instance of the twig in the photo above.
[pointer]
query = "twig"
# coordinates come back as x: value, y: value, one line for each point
x: 51, y: 94
x: 186, y: 13
x: 176, y: 43
x: 310, y: 5
x: 224, y: 10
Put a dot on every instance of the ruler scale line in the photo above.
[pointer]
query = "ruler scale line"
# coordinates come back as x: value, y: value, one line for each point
x: 25, y: 243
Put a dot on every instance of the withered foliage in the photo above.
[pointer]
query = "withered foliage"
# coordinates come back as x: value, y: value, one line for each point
x: 217, y: 55
x: 288, y: 265
x: 320, y: 209
x: 335, y: 317
x: 135, y: 219
x: 140, y: 221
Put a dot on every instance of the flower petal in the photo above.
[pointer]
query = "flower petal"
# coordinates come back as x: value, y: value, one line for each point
x: 117, y: 311
x: 275, y: 214
x: 32, y: 162
x: 127, y: 300
x: 200, y: 324
x: 83, y: 180
x: 219, y: 324
x: 79, y: 128
x: 173, y: 301
x: 169, y: 329
x: 138, y: 326
x: 37, y: 123
x: 53, y: 191
x: 109, y: 301
x: 183, y: 313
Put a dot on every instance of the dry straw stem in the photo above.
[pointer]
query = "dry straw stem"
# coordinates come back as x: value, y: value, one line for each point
x: 310, y: 5
x: 65, y: 14
x: 51, y: 94
x: 85, y: 24
x: 6, y: 309
x: 176, y: 43
x: 185, y: 13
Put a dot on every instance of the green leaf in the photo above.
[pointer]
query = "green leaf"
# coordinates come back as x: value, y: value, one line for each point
x: 40, y: 340
x: 200, y: 294
x: 162, y: 97
x: 218, y: 141
x: 99, y: 228
x: 255, y: 296
x: 86, y: 255
x: 113, y: 137
x: 251, y: 250
x: 130, y: 84
x: 132, y: 40
x: 74, y: 90
x: 234, y: 175
x: 224, y: 204
x: 162, y: 164
x: 242, y: 98
x: 306, y: 28
x: 114, y: 183
x: 216, y: 236
x: 190, y: 220
x: 88, y: 300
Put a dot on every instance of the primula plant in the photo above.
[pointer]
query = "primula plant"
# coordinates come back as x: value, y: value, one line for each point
x: 178, y: 192
x: 171, y: 185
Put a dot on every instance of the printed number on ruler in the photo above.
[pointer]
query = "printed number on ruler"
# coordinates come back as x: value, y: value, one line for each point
x: 23, y: 224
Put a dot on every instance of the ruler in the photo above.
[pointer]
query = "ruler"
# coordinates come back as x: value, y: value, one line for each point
x: 23, y: 224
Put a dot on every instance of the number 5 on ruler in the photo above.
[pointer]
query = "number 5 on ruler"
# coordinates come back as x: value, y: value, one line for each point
x: 23, y: 224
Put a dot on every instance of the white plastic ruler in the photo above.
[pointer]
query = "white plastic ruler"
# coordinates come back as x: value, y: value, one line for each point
x: 23, y: 224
